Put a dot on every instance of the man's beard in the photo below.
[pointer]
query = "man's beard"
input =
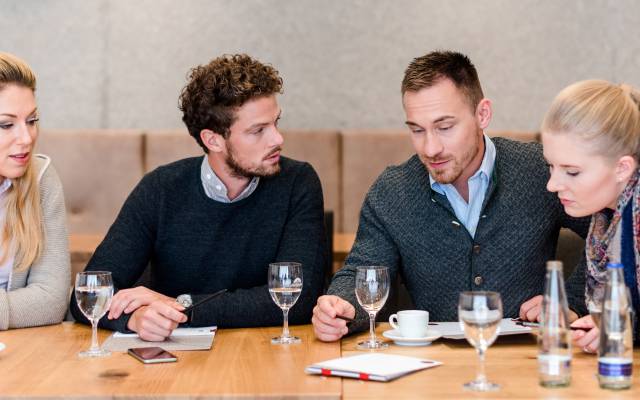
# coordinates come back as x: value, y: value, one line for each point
x: 452, y: 173
x: 241, y: 171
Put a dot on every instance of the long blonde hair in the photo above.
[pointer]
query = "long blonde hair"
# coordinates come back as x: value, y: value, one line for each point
x: 23, y: 230
x: 601, y: 112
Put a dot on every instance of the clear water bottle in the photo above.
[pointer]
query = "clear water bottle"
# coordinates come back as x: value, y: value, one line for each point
x: 615, y: 355
x: 554, y: 337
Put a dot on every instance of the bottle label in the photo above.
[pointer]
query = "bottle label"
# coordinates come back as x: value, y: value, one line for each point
x: 614, y: 367
x: 553, y: 364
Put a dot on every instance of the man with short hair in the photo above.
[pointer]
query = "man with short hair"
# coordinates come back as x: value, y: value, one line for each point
x: 216, y: 222
x: 466, y: 213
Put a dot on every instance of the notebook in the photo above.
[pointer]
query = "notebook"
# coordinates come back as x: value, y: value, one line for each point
x: 452, y: 330
x: 371, y: 367
x: 180, y: 339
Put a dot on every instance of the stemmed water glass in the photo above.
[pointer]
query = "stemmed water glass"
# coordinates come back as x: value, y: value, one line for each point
x: 285, y: 285
x: 372, y: 290
x: 480, y: 314
x: 94, y: 290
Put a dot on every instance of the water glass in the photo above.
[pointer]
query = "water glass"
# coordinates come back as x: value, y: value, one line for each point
x: 372, y: 290
x: 285, y: 286
x: 480, y: 314
x: 94, y: 290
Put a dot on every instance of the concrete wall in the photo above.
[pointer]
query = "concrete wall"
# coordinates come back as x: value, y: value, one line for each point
x: 122, y: 63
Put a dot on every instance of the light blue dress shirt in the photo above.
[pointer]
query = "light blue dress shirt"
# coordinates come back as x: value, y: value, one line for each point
x: 469, y: 213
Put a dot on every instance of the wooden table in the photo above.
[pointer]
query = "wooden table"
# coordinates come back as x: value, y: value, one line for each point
x: 42, y: 362
x: 510, y: 362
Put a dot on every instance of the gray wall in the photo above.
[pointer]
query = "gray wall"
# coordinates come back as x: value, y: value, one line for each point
x: 122, y: 63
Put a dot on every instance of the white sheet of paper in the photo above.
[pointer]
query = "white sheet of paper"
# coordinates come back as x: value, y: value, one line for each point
x: 452, y: 330
x: 180, y: 339
x: 379, y: 366
x: 207, y: 330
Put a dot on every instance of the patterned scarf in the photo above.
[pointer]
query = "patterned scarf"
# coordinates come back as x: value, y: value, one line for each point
x: 603, y: 241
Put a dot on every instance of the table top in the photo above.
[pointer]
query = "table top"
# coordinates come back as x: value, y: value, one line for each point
x: 43, y: 361
x: 510, y: 362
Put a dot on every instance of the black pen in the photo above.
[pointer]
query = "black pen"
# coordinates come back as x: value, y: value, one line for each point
x: 537, y: 325
x: 201, y: 302
x: 344, y: 318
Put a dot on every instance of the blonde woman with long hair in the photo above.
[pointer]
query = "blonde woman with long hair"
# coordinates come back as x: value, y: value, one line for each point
x: 34, y: 257
x: 591, y: 138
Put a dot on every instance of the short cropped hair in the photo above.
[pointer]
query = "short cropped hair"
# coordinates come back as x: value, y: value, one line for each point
x: 426, y: 71
x: 216, y: 90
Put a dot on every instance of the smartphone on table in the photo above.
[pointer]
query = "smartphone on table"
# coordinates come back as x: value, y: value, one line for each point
x: 152, y: 355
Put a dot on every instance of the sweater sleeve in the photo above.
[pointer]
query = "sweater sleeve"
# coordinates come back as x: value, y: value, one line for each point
x: 303, y: 240
x: 373, y: 246
x: 43, y: 300
x: 126, y: 249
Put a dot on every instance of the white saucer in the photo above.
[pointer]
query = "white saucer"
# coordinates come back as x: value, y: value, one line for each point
x: 2, y: 346
x: 400, y: 340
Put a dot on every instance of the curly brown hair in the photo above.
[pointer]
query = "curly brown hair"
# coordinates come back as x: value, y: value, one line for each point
x: 215, y: 90
x: 426, y: 71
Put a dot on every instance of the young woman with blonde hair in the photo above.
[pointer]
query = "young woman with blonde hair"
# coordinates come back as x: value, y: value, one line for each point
x: 34, y: 257
x: 591, y: 138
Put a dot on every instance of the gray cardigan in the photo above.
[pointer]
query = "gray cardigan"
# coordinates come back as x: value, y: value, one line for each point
x: 38, y: 295
x: 413, y: 230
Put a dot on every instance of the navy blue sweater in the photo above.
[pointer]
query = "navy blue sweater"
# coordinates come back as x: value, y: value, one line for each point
x: 198, y: 246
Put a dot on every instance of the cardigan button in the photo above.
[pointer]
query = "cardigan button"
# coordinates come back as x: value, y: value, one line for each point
x: 478, y: 280
x: 476, y: 248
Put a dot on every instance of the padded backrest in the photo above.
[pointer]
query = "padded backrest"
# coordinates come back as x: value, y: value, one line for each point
x: 365, y: 154
x: 98, y: 169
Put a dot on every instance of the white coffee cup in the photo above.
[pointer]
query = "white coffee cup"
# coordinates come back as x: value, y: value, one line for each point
x: 411, y: 323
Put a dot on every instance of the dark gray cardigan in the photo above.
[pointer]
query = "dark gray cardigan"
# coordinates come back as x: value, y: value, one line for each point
x: 413, y: 230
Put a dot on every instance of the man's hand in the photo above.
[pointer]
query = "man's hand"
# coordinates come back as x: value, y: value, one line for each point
x: 588, y: 340
x: 531, y: 310
x: 156, y: 321
x: 128, y: 300
x: 326, y: 326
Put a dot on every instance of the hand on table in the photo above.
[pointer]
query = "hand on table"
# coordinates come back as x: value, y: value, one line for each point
x: 326, y: 326
x: 588, y: 340
x: 156, y: 321
x: 128, y: 300
x: 531, y: 310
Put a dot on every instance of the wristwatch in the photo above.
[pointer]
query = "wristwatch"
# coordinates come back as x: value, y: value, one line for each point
x: 185, y: 300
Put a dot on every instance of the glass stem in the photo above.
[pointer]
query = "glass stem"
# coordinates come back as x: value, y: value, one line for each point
x: 285, y: 328
x: 372, y: 328
x: 94, y: 336
x: 481, y: 376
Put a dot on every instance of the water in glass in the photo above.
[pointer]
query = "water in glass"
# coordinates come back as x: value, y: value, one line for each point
x: 285, y: 286
x: 479, y: 314
x: 94, y: 290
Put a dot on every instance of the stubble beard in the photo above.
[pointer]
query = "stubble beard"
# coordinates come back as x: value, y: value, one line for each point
x: 451, y: 174
x: 239, y: 171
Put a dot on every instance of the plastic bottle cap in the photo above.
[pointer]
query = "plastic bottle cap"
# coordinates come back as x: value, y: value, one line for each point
x: 615, y: 265
x: 554, y: 264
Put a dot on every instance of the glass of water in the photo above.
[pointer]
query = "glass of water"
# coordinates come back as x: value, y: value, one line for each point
x: 372, y: 290
x: 94, y: 290
x: 285, y: 285
x: 480, y: 314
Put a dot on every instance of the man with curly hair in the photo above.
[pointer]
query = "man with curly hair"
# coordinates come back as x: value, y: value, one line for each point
x: 216, y: 222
